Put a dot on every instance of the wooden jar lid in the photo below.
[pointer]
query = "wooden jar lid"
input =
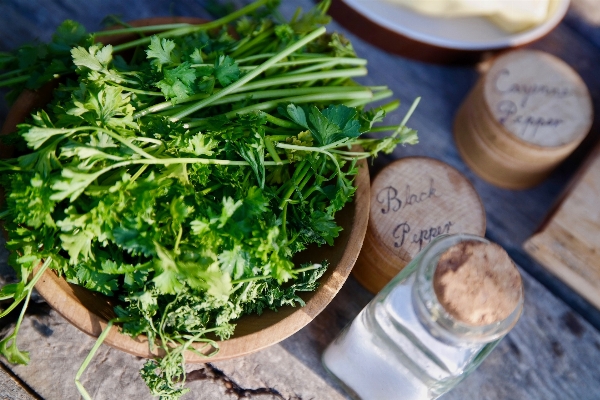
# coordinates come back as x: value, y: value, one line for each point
x: 413, y: 200
x: 524, y: 116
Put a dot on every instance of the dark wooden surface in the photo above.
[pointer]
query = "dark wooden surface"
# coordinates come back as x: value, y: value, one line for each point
x: 553, y: 352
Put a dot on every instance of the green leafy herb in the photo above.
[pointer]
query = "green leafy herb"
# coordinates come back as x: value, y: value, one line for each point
x: 184, y: 182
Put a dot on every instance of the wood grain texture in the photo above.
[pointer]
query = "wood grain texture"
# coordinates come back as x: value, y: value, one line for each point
x: 414, y: 200
x: 568, y: 243
x: 552, y: 353
x: 537, y: 98
x: 525, y: 115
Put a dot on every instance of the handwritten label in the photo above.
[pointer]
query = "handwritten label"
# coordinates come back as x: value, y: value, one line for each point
x: 390, y: 201
x: 524, y: 91
x: 528, y: 125
x: 402, y: 233
x: 415, y: 200
x: 538, y: 107
x: 393, y: 200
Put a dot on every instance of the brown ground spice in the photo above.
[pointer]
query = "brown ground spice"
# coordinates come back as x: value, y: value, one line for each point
x: 477, y: 283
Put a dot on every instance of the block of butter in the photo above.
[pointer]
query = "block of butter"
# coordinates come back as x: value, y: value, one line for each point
x: 510, y: 15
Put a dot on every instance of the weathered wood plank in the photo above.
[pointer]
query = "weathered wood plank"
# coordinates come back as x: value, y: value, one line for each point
x: 568, y: 243
x: 12, y: 389
x: 551, y: 354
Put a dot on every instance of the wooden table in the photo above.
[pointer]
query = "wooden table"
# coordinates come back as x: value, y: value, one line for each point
x: 553, y: 352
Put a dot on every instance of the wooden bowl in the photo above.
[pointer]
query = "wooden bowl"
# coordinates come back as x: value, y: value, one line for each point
x: 90, y: 311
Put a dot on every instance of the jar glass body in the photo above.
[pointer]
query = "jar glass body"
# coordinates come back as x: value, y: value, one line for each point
x: 404, y: 345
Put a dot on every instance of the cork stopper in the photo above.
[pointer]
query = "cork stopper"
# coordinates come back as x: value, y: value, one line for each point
x: 477, y: 283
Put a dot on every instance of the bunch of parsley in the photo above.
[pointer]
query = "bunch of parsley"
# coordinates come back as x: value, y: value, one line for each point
x: 183, y: 178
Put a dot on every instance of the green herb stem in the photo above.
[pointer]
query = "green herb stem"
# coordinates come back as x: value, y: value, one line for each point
x: 383, y: 94
x: 294, y: 184
x: 138, y: 91
x: 409, y: 113
x: 276, y: 93
x: 251, y: 75
x: 170, y: 161
x: 91, y: 355
x: 165, y: 105
x: 4, y: 166
x: 383, y: 128
x: 294, y: 92
x: 391, y: 106
x: 14, y: 355
x: 281, y: 122
x: 255, y: 57
x: 341, y: 142
x: 252, y: 43
x: 12, y: 81
x: 251, y: 279
x: 321, y: 97
x: 321, y: 63
x: 315, y: 149
x: 139, y: 172
x: 211, y: 188
x: 316, y: 67
x: 28, y: 287
x: 286, y: 79
x: 12, y: 73
x: 196, y: 28
x: 304, y: 183
x: 125, y: 142
x: 315, y: 60
x: 351, y: 154
x: 378, y: 88
x: 148, y: 140
x: 298, y: 171
x: 271, y: 150
x: 280, y: 137
x: 141, y: 29
x: 310, y: 268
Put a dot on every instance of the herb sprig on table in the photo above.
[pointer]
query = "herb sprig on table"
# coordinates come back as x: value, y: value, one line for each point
x: 183, y: 178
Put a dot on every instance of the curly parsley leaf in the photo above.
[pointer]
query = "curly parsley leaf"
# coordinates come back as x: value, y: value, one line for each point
x: 177, y: 84
x: 334, y: 123
x: 227, y: 70
x: 167, y: 182
x: 96, y: 58
x: 160, y: 51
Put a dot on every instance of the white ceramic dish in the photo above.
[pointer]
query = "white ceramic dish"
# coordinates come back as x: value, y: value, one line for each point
x: 464, y: 33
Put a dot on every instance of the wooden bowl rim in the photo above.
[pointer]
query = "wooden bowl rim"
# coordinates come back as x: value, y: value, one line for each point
x: 62, y: 296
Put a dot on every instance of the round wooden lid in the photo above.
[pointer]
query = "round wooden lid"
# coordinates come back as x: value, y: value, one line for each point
x: 538, y: 98
x: 415, y: 199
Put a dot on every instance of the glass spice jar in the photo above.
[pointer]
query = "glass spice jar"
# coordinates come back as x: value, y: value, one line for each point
x: 432, y: 325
